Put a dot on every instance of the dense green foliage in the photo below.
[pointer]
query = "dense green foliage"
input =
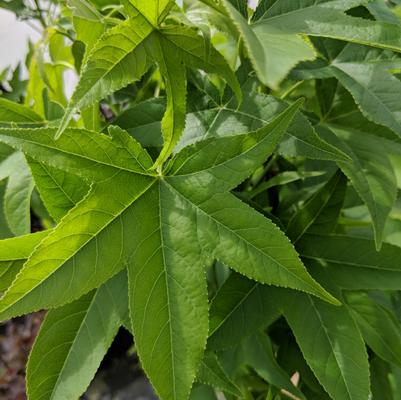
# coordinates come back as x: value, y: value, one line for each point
x: 223, y: 183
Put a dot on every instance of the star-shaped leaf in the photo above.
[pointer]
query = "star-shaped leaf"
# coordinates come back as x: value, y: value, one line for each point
x: 125, y: 52
x: 164, y: 228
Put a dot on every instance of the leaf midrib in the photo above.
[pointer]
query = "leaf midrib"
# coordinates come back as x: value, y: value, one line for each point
x: 168, y: 296
x: 145, y: 173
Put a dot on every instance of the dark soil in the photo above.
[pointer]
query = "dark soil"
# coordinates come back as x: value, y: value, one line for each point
x: 119, y: 377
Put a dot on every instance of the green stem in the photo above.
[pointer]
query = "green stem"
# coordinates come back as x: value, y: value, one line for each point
x: 291, y: 89
x: 40, y: 15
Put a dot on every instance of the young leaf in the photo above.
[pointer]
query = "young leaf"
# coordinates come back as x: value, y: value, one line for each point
x: 273, y: 52
x: 73, y: 339
x: 173, y: 50
x: 119, y: 50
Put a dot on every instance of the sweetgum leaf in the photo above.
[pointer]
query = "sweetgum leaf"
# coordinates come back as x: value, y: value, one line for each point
x: 164, y: 229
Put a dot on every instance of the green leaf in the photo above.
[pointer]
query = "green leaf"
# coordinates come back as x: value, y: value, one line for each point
x: 326, y: 18
x: 202, y: 392
x: 72, y: 341
x: 379, y: 327
x: 168, y: 296
x: 17, y: 113
x: 320, y: 212
x: 382, y: 12
x: 371, y: 173
x: 240, y: 308
x: 251, y: 244
x: 13, y: 253
x: 344, y: 256
x: 344, y: 115
x: 153, y: 11
x: 4, y: 229
x: 80, y: 236
x: 237, y: 243
x: 281, y: 180
x: 163, y: 230
x: 81, y: 152
x: 175, y: 49
x: 258, y: 354
x: 214, y: 159
x: 255, y: 111
x: 143, y: 122
x: 374, y: 89
x: 273, y: 52
x: 59, y: 190
x: 211, y: 373
x: 119, y: 50
x: 380, y: 373
x: 17, y: 198
x: 331, y: 344
x: 88, y: 23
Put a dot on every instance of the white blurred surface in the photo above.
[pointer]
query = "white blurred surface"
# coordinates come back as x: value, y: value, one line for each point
x: 14, y: 37
x: 253, y: 3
